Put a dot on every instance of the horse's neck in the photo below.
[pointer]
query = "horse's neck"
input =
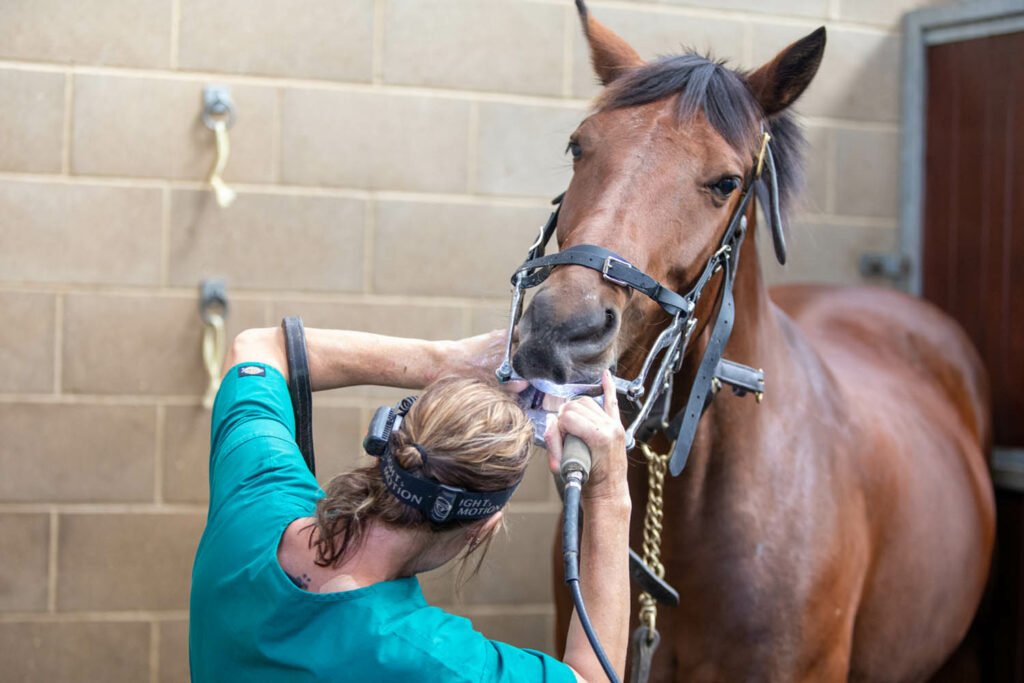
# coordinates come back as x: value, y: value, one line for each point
x: 734, y: 429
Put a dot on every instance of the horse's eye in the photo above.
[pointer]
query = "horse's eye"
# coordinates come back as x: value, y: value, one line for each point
x: 574, y: 148
x: 724, y: 187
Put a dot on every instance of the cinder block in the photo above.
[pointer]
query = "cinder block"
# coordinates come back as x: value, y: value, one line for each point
x: 486, y: 318
x: 110, y: 562
x: 827, y: 253
x: 451, y: 249
x: 804, y: 8
x: 521, y: 150
x: 186, y: 450
x: 859, y: 74
x: 141, y: 344
x: 883, y: 12
x: 653, y: 33
x: 268, y: 241
x: 497, y: 46
x: 535, y: 631
x: 869, y: 166
x: 173, y: 652
x: 114, y: 33
x: 74, y: 652
x: 518, y: 566
x: 26, y: 342
x: 426, y: 321
x: 76, y: 453
x: 54, y: 232
x: 320, y: 39
x: 151, y: 128
x: 819, y: 165
x: 31, y: 121
x: 374, y: 141
x: 24, y: 545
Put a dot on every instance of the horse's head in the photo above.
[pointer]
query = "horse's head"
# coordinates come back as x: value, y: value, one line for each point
x: 659, y: 168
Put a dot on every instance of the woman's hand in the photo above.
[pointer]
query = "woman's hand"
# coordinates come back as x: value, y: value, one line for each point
x: 601, y: 429
x: 479, y: 357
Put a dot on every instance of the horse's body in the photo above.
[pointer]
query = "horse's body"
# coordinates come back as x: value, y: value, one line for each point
x: 841, y: 529
x: 813, y: 537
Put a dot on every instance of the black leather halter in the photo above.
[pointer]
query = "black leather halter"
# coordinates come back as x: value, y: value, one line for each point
x: 671, y: 344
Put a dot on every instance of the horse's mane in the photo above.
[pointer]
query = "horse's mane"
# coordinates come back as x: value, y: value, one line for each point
x: 708, y: 86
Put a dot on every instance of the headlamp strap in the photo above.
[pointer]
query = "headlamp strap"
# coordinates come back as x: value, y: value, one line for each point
x: 440, y: 503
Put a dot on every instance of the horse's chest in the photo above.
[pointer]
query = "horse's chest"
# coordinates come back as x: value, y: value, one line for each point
x: 761, y: 596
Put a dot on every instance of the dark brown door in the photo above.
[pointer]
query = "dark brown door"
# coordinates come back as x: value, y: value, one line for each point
x: 973, y: 267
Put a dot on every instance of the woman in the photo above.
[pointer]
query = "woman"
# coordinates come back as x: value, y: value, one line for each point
x: 292, y: 584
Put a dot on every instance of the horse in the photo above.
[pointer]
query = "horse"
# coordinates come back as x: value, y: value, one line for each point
x: 842, y: 529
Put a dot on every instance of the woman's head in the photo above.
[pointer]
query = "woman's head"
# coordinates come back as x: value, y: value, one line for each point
x: 476, y: 437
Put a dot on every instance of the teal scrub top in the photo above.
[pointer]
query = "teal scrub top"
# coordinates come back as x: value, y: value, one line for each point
x: 250, y: 622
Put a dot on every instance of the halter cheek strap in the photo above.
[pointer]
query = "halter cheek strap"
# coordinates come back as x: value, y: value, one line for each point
x: 703, y: 382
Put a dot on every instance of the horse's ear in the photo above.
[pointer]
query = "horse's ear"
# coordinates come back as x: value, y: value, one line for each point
x: 778, y: 84
x: 611, y: 55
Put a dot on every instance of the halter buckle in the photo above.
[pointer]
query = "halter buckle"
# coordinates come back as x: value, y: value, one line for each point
x: 609, y: 261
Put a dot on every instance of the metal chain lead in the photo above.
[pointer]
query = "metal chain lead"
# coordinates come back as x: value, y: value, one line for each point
x: 657, y: 464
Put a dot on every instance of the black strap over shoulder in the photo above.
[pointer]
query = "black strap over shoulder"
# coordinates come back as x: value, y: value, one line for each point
x: 299, y: 387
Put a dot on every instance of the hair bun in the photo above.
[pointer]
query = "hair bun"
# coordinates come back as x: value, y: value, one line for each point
x: 407, y: 453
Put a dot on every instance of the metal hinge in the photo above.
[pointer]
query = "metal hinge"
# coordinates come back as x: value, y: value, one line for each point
x: 893, y: 266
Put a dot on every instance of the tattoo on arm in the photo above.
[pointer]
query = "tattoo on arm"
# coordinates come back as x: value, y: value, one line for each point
x: 301, y: 581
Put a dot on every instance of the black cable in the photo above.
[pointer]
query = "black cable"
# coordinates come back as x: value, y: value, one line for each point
x: 570, y: 557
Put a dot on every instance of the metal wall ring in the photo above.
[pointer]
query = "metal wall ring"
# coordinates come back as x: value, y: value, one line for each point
x: 210, y: 118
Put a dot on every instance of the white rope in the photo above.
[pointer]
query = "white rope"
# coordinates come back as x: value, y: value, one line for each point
x: 213, y: 355
x: 225, y: 195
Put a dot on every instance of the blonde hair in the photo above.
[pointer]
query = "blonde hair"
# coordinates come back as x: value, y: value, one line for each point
x: 476, y: 437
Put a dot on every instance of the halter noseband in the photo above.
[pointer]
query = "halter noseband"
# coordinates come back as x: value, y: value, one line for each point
x: 672, y: 342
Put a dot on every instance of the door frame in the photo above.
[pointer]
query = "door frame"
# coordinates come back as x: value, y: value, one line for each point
x: 921, y: 29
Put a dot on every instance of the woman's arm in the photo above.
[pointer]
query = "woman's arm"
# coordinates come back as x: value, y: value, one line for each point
x: 604, y: 546
x: 343, y: 358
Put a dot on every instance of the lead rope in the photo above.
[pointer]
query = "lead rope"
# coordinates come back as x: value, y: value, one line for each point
x: 646, y: 638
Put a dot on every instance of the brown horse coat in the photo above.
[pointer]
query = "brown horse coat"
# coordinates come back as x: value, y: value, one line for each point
x: 843, y: 528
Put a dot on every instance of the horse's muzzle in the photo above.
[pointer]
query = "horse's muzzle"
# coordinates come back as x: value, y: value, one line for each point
x: 566, y: 343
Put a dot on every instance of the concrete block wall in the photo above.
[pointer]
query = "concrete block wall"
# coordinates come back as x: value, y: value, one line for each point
x: 393, y: 159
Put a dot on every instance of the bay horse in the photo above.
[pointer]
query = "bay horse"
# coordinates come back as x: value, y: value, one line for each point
x: 843, y: 528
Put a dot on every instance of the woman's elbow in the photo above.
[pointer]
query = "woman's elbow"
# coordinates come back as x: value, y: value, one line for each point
x: 258, y: 345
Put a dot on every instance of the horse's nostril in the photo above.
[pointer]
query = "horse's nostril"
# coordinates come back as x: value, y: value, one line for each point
x: 611, y: 318
x: 559, y: 375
